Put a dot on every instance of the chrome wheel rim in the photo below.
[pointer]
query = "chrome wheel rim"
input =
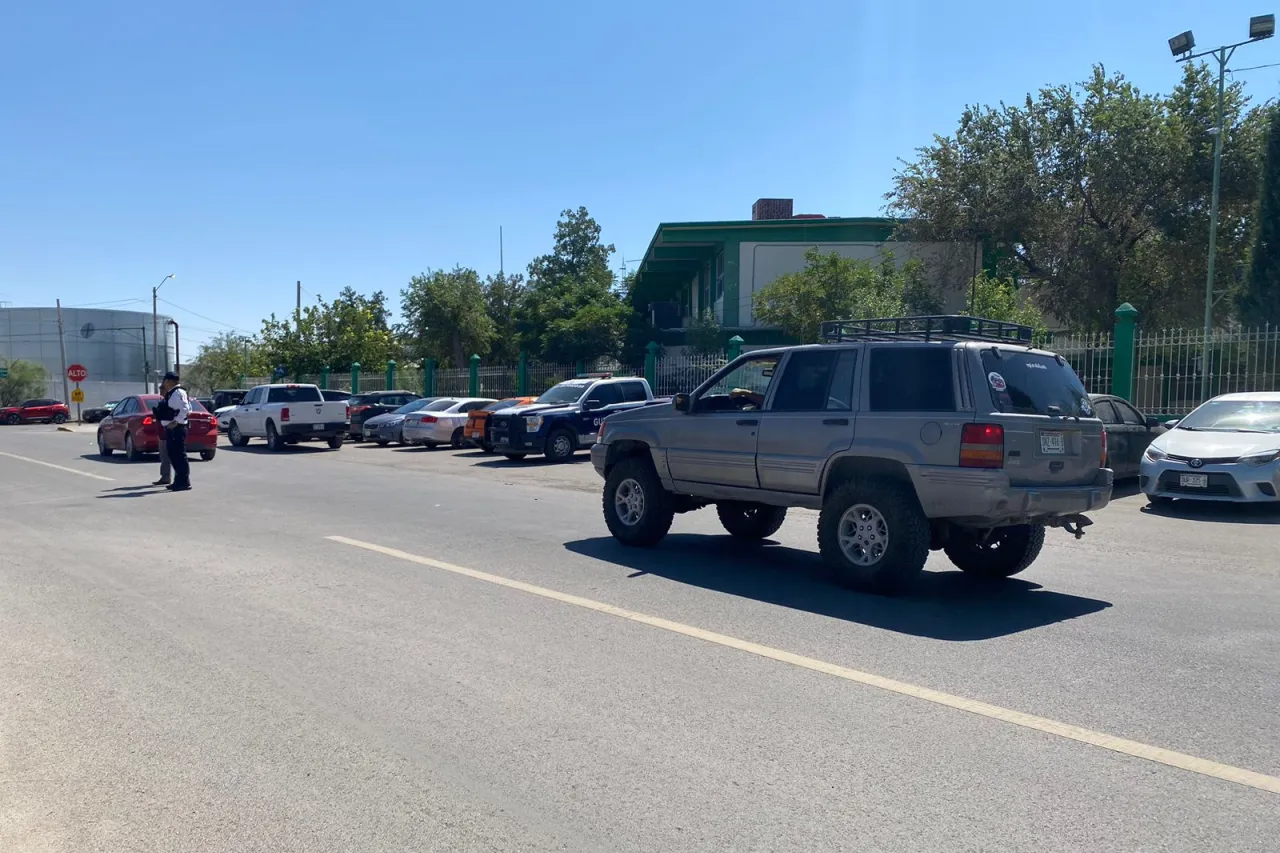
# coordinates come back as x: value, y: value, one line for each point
x: 864, y: 535
x: 628, y: 502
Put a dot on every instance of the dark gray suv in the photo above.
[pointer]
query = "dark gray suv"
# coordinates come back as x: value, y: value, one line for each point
x: 907, y: 434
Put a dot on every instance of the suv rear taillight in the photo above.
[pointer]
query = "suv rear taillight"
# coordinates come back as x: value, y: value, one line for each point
x: 284, y: 414
x: 1103, y: 463
x: 982, y: 446
x: 348, y: 413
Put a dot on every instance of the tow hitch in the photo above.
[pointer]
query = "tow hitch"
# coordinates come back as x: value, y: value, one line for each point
x: 1073, y: 524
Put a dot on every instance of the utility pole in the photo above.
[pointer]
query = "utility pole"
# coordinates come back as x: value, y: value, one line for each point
x: 62, y: 348
x: 1181, y: 46
x: 502, y: 267
x: 297, y: 314
x: 146, y: 368
x: 155, y: 324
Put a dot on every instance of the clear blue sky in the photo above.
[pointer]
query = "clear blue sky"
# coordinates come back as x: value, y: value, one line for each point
x: 245, y: 145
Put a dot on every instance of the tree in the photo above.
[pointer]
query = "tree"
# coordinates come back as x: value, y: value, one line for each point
x: 830, y: 287
x: 445, y: 315
x: 998, y: 299
x: 1260, y: 302
x: 1095, y: 194
x: 833, y: 287
x: 352, y: 328
x: 572, y: 310
x: 503, y: 296
x: 704, y: 336
x: 26, y: 380
x: 222, y: 361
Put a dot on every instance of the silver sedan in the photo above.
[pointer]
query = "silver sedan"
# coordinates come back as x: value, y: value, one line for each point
x: 1228, y: 449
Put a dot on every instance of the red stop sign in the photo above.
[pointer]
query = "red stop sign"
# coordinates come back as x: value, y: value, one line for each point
x: 77, y: 373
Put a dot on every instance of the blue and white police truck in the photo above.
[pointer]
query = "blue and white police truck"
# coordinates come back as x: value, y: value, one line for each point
x: 567, y: 417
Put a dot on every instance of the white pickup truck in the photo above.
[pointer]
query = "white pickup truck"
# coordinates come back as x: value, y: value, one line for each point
x: 287, y: 414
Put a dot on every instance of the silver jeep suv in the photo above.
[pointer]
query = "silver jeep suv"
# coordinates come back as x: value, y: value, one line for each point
x: 908, y: 434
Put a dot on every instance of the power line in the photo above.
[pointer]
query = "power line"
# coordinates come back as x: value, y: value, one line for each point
x: 203, y: 317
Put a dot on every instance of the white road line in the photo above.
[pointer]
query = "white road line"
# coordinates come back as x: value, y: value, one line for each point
x: 1157, y: 754
x: 57, y: 467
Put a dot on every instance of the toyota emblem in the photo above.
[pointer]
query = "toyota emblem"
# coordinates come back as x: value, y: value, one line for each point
x: 1196, y: 463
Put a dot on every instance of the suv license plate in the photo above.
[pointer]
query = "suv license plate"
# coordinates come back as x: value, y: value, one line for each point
x: 1193, y: 481
x: 317, y: 426
x: 1051, y: 442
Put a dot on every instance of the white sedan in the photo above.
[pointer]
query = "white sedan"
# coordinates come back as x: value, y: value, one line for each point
x: 1228, y: 449
x: 441, y: 421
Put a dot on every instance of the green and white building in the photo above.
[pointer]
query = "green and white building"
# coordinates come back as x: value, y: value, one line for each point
x: 692, y: 266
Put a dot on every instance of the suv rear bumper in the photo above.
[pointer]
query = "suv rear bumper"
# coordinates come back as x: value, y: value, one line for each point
x: 308, y: 430
x: 958, y: 493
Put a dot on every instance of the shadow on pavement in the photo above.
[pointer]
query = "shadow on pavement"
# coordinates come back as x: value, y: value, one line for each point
x: 503, y: 462
x: 944, y: 606
x: 261, y: 447
x: 1126, y: 489
x: 1219, y: 513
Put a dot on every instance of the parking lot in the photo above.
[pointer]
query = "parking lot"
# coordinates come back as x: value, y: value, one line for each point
x: 402, y: 637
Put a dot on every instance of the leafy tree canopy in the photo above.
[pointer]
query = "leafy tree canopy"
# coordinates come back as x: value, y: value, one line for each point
x: 1096, y: 193
x: 572, y: 310
x: 1260, y: 302
x: 445, y: 316
x: 222, y: 361
x: 352, y: 328
x: 833, y: 287
x: 26, y: 380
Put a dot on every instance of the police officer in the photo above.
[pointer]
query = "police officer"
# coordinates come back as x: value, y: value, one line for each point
x: 172, y: 414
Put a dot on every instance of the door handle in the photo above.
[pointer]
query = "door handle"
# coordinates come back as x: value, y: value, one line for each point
x: 748, y: 422
x: 836, y: 422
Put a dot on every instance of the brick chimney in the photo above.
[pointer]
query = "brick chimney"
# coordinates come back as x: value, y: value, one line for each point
x: 772, y: 208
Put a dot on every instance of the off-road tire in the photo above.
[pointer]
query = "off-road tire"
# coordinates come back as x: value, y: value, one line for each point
x: 655, y: 513
x: 750, y: 521
x: 1007, y: 551
x: 274, y: 442
x: 207, y: 455
x: 235, y: 436
x: 906, y: 526
x: 103, y: 450
x: 335, y: 441
x: 568, y: 445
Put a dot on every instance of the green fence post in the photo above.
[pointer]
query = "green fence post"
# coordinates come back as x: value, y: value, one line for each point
x: 429, y: 378
x: 735, y: 347
x: 522, y: 376
x: 1122, y: 366
x: 651, y: 365
x: 391, y: 374
x: 324, y: 377
x: 475, y: 375
x: 355, y: 378
x: 581, y: 367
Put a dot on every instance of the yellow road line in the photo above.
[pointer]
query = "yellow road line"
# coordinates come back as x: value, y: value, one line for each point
x: 57, y: 467
x: 1167, y: 757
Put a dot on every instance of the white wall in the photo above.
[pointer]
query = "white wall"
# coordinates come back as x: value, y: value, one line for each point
x: 951, y: 265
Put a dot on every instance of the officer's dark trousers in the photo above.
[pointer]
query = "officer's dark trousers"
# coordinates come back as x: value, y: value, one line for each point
x: 176, y: 441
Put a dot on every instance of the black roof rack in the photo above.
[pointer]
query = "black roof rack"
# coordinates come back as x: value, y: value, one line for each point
x: 927, y: 327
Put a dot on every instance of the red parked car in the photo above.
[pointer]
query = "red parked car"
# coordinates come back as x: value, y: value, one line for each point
x: 35, y: 411
x: 132, y: 428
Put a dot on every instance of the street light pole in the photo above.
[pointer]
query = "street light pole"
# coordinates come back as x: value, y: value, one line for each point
x: 177, y: 360
x: 1260, y: 27
x: 155, y: 322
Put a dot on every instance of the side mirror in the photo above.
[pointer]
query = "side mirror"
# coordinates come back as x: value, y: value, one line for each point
x: 680, y: 402
x: 592, y: 405
x: 1152, y: 422
x: 1171, y: 424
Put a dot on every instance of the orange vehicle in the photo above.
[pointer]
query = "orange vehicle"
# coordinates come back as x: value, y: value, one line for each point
x: 476, y: 432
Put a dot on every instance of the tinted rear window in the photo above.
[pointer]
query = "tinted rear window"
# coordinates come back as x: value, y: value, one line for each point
x: 299, y: 394
x: 911, y: 379
x: 1024, y: 383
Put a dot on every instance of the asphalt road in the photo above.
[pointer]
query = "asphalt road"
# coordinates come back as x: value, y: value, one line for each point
x: 473, y: 665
